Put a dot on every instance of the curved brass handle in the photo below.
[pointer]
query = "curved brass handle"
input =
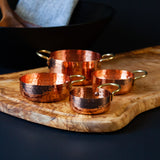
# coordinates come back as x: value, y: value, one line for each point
x: 40, y: 53
x: 140, y: 71
x: 107, y: 57
x: 111, y: 84
x: 79, y: 80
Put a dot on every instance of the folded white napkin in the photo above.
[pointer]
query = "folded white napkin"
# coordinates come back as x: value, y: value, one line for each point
x: 46, y: 13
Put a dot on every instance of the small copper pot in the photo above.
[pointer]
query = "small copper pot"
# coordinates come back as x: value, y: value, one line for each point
x: 86, y: 100
x: 46, y: 87
x: 74, y: 62
x: 122, y: 77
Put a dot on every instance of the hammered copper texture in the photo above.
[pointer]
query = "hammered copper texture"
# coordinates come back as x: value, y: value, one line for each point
x: 86, y: 100
x: 73, y: 62
x: 145, y: 95
x: 45, y: 87
x: 122, y: 77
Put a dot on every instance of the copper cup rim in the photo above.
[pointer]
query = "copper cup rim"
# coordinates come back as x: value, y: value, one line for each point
x: 95, y: 93
x: 88, y: 95
x: 72, y: 52
x: 81, y: 55
x: 29, y: 80
x: 100, y: 74
x: 49, y: 80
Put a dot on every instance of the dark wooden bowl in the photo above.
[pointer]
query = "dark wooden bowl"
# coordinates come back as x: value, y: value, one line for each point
x: 18, y: 45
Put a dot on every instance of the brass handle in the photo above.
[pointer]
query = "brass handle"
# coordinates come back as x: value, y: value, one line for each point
x: 140, y: 71
x: 40, y: 54
x: 79, y: 80
x: 111, y: 84
x: 107, y: 57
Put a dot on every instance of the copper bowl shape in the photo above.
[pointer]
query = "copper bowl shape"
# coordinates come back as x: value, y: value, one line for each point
x: 86, y: 100
x: 46, y: 87
x: 122, y: 77
x: 74, y: 62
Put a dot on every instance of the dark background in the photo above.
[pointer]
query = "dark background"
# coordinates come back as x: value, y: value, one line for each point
x: 135, y: 25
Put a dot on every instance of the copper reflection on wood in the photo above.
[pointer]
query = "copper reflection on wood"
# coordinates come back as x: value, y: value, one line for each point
x: 86, y: 100
x: 45, y: 87
x: 122, y: 77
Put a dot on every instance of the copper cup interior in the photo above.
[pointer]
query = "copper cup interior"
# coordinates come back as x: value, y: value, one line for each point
x: 73, y: 55
x: 45, y: 79
x: 113, y: 74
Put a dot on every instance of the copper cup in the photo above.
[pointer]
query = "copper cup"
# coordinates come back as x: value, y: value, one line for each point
x: 47, y: 87
x: 86, y: 100
x: 74, y: 62
x: 124, y: 78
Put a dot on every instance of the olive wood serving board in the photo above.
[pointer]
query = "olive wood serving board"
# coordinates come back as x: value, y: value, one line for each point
x: 144, y: 96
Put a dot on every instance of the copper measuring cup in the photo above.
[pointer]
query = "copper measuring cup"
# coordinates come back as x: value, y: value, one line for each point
x: 122, y: 77
x: 47, y: 87
x: 74, y: 62
x: 86, y: 100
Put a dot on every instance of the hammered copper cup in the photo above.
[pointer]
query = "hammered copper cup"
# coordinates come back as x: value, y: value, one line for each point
x: 74, y: 62
x: 124, y: 78
x: 47, y: 87
x: 86, y: 100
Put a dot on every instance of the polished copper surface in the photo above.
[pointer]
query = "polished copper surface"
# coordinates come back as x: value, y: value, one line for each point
x: 46, y: 87
x: 122, y: 77
x: 75, y: 62
x: 88, y: 101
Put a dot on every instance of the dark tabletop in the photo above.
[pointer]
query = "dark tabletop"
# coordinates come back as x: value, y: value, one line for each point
x: 135, y: 25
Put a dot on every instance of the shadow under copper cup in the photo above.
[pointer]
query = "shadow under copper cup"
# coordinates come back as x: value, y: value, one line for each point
x: 74, y: 62
x: 86, y: 100
x: 122, y: 77
x: 46, y: 87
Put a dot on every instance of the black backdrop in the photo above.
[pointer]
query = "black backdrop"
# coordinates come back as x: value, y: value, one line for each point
x: 135, y: 25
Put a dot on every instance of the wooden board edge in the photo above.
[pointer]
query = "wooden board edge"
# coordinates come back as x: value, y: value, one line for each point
x: 153, y: 49
x: 118, y: 123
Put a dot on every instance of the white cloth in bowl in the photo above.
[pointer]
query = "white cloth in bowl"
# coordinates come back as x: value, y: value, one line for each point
x: 46, y: 13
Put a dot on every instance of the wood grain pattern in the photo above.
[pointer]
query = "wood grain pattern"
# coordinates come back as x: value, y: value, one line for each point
x: 144, y: 96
